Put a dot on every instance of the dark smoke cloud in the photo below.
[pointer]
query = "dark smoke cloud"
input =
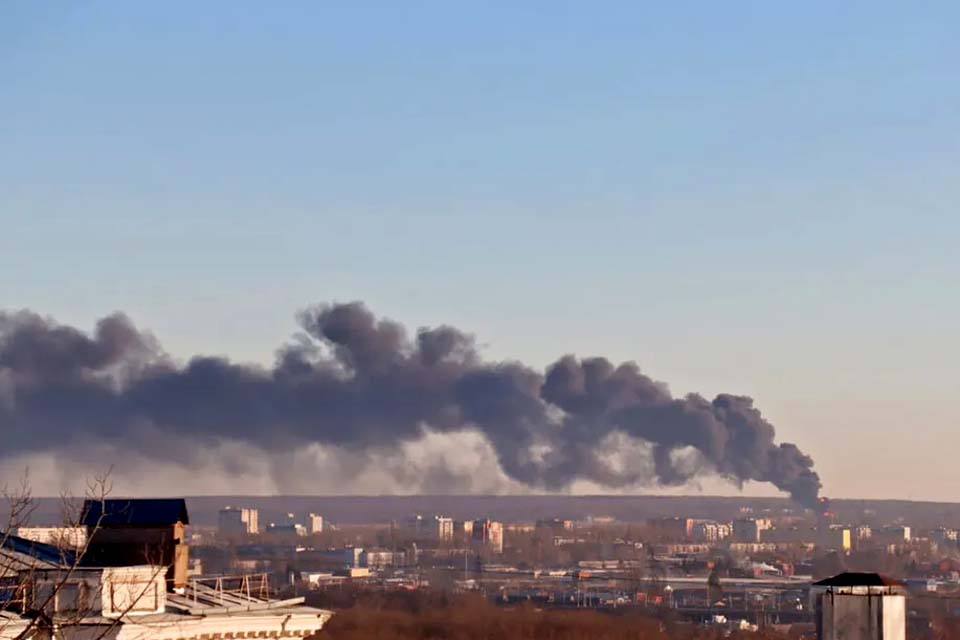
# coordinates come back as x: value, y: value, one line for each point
x: 360, y: 383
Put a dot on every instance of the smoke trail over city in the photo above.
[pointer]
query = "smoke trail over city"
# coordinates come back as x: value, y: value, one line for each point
x: 359, y: 383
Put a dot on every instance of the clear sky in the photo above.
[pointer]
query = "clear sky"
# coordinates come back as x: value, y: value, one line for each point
x: 748, y: 197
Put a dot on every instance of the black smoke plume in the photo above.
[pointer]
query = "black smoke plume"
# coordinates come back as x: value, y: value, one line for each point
x: 361, y: 383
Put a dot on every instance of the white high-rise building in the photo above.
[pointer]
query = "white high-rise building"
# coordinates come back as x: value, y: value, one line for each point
x: 414, y: 525
x: 235, y: 521
x: 443, y: 528
x: 462, y: 530
x: 314, y: 523
x: 490, y: 533
x: 750, y: 529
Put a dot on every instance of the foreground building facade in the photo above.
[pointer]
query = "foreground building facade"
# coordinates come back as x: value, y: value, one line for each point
x: 48, y: 593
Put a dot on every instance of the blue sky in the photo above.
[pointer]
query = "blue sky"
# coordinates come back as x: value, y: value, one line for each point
x: 749, y: 197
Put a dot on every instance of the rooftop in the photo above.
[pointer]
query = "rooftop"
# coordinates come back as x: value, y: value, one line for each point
x: 136, y: 512
x: 20, y: 553
x: 856, y: 579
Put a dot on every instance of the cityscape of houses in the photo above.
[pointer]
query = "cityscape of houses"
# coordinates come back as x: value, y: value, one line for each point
x: 143, y: 562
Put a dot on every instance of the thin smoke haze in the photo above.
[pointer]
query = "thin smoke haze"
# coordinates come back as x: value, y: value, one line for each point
x: 360, y: 383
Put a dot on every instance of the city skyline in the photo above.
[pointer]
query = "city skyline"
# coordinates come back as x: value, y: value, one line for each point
x: 753, y: 200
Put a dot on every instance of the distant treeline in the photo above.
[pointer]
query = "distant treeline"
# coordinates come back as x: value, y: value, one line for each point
x: 381, y: 509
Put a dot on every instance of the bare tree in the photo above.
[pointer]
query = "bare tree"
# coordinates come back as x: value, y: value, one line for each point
x: 44, y: 593
x: 19, y: 506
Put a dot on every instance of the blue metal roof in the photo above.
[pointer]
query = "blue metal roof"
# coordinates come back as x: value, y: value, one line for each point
x: 39, y: 550
x: 134, y: 512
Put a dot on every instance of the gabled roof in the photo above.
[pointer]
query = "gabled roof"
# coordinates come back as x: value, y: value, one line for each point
x: 855, y: 579
x: 134, y: 512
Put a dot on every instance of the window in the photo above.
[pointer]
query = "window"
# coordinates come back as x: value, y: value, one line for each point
x: 43, y: 596
x: 133, y: 596
x: 70, y: 597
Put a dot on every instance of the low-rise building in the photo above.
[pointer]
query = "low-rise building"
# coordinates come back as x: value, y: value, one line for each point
x: 711, y: 531
x: 789, y: 534
x: 680, y: 549
x: 893, y: 534
x: 284, y: 529
x: 746, y: 548
x: 555, y: 526
x: 835, y: 538
x: 344, y: 557
x: 671, y: 529
x: 383, y: 559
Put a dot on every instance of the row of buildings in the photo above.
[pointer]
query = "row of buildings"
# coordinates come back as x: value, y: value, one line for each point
x: 241, y: 521
x: 764, y: 530
x: 486, y: 532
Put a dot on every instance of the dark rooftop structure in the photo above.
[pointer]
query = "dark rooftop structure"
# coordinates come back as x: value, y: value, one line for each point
x: 132, y: 531
x: 856, y: 579
x: 128, y: 512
